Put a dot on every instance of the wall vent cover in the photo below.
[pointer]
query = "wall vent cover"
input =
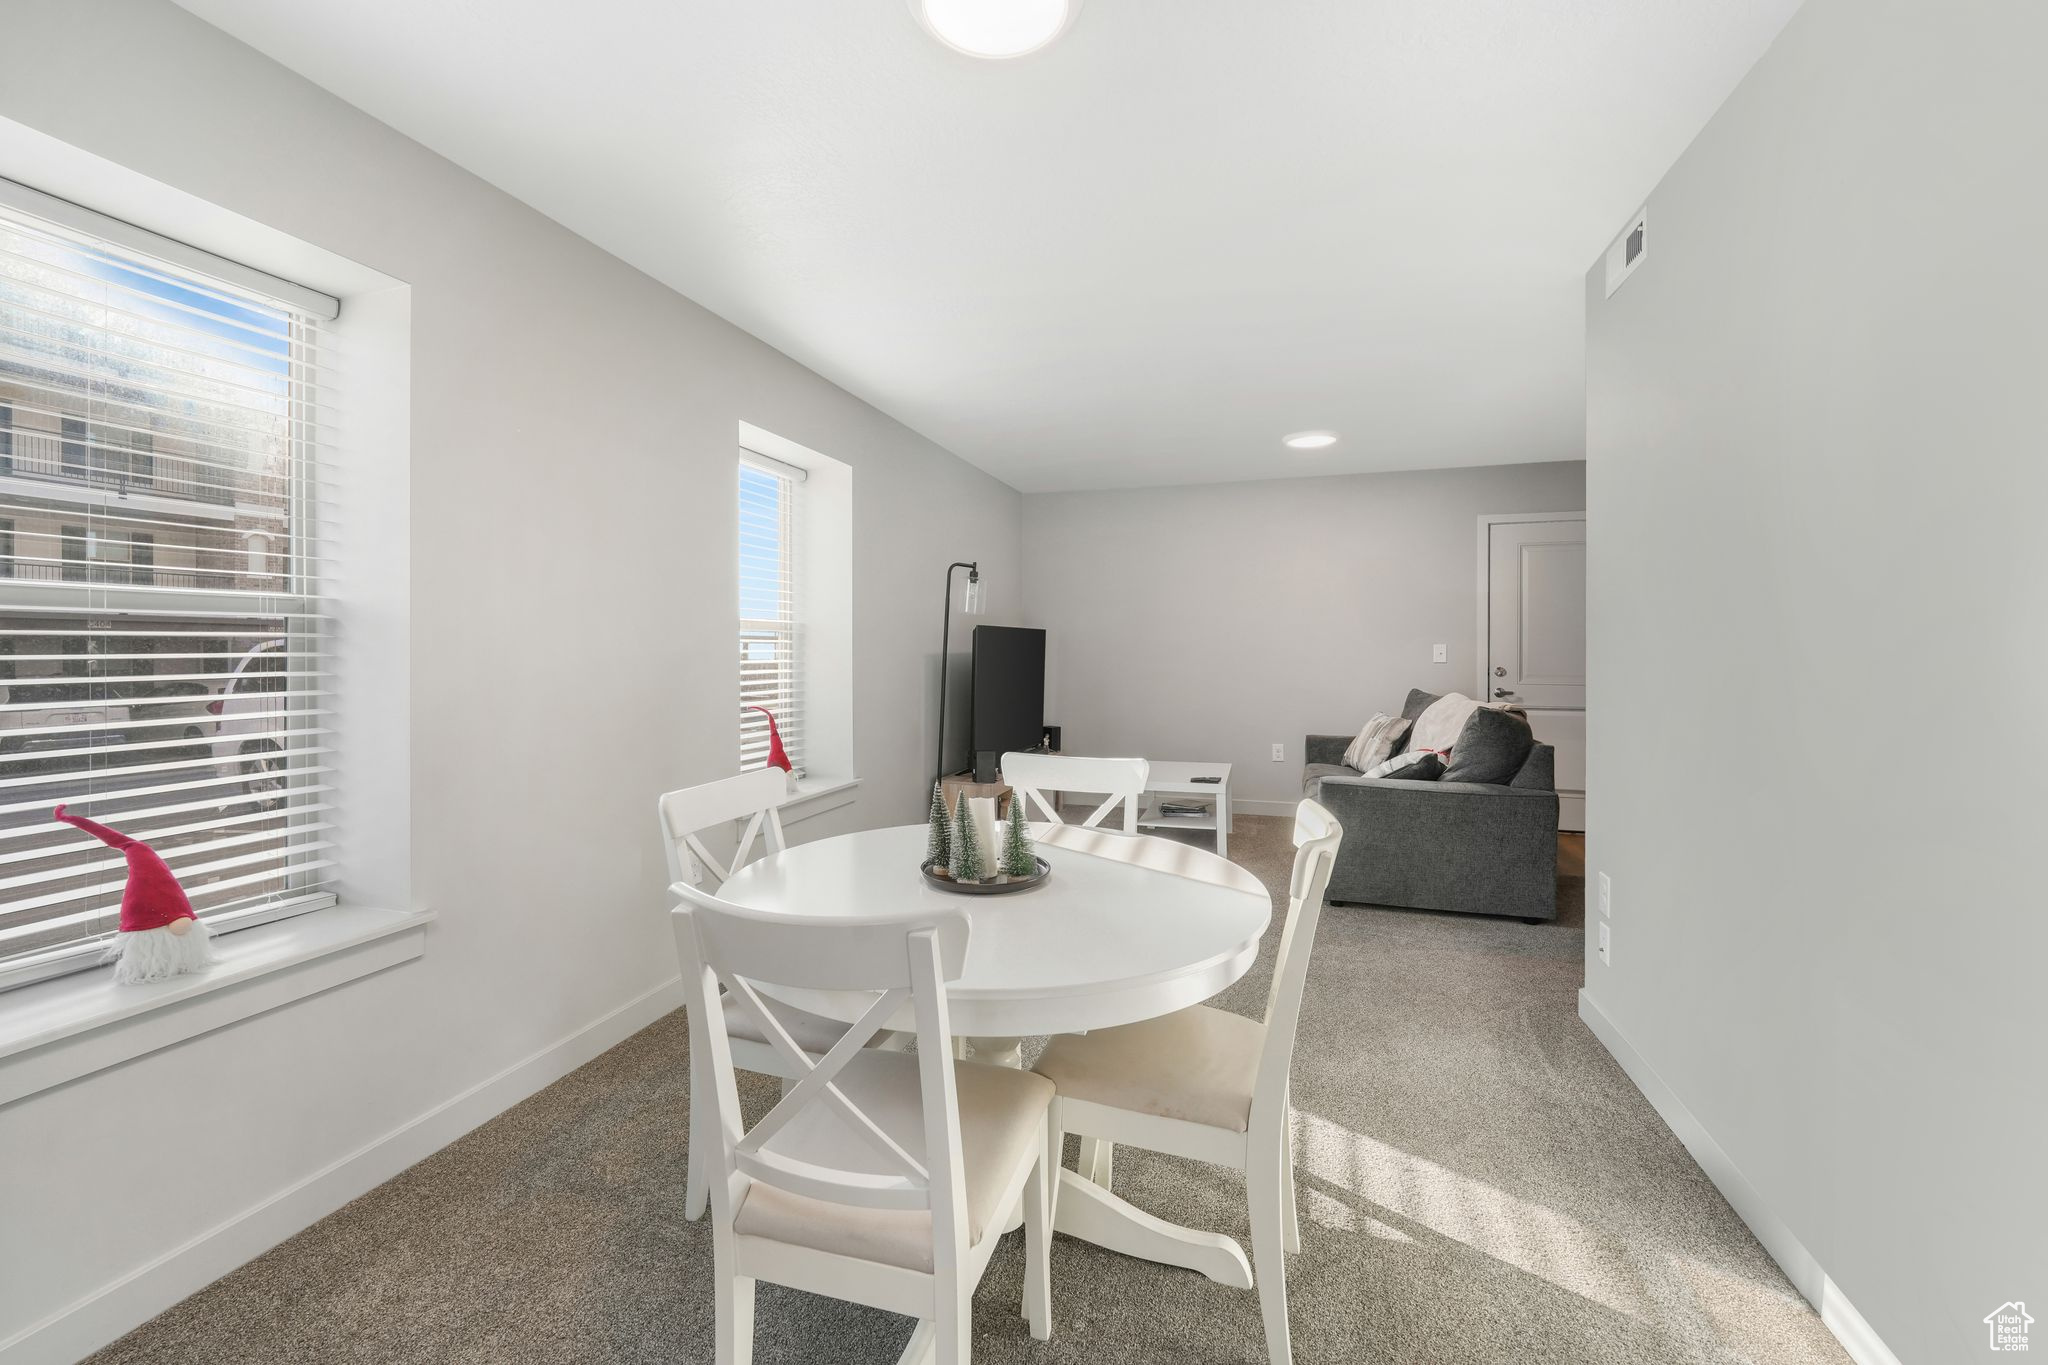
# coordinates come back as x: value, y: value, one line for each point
x: 1628, y: 250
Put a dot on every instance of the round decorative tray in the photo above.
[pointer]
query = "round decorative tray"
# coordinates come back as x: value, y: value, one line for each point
x: 999, y: 887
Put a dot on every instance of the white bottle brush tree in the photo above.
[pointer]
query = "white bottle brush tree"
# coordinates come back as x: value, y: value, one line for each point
x: 938, y: 845
x: 968, y: 863
x: 1017, y: 859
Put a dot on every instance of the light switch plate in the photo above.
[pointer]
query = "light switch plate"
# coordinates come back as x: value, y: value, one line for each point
x: 1606, y: 895
x: 1440, y: 654
x: 1605, y: 959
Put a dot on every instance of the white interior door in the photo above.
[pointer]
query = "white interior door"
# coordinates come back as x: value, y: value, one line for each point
x: 1535, y: 638
x: 1536, y: 613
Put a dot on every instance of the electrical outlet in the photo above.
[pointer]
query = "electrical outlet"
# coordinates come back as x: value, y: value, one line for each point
x: 1440, y: 654
x: 1279, y: 753
x: 1606, y: 960
x: 1606, y: 895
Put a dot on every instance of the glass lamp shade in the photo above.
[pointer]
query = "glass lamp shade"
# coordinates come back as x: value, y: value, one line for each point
x: 975, y: 600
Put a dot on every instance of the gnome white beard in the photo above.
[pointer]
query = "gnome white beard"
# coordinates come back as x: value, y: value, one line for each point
x: 159, y: 954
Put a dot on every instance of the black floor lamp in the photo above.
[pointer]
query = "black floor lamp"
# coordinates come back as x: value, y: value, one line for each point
x: 971, y: 605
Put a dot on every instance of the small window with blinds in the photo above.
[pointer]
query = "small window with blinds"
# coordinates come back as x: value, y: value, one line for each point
x: 771, y: 639
x: 161, y: 624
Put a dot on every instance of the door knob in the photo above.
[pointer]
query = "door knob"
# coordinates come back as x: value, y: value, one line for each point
x: 1502, y: 692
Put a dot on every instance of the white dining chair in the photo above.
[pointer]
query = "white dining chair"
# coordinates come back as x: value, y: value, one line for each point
x: 1033, y: 776
x: 687, y: 816
x: 884, y: 1178
x: 1210, y: 1085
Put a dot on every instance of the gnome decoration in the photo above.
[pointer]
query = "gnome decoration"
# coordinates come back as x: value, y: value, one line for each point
x: 778, y: 757
x: 160, y: 936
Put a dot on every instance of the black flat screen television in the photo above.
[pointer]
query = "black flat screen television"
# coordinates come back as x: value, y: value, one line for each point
x: 1009, y: 689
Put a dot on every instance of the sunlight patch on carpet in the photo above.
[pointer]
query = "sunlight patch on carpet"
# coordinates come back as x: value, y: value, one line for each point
x: 1526, y: 1235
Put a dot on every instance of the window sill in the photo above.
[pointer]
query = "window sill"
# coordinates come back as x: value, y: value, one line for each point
x: 816, y: 795
x: 57, y: 1031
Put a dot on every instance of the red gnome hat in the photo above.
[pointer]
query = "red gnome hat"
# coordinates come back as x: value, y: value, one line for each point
x: 153, y: 897
x: 778, y: 757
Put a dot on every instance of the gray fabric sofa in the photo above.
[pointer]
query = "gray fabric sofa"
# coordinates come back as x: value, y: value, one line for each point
x: 1466, y: 846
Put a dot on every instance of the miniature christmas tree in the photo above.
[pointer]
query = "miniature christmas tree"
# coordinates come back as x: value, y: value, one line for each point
x: 1017, y: 859
x: 968, y: 863
x: 938, y: 846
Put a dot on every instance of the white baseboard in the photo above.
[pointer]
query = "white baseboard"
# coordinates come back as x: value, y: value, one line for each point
x: 1836, y: 1312
x: 83, y: 1327
x: 1858, y: 1337
x: 1243, y: 807
x: 1571, y: 812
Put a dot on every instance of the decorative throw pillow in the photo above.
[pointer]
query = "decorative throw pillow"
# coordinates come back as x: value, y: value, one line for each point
x: 1439, y: 725
x: 1491, y: 748
x: 1417, y: 765
x: 1418, y: 702
x: 1375, y: 742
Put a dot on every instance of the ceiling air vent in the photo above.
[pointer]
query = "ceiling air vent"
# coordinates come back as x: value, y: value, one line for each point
x: 1628, y: 250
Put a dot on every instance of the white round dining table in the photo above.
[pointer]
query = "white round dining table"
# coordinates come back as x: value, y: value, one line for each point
x: 1127, y: 927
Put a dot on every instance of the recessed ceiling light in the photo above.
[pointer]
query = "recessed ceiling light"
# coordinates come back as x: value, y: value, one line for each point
x: 996, y: 28
x: 1310, y: 440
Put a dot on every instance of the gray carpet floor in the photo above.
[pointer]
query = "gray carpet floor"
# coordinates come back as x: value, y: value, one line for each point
x: 1479, y: 1183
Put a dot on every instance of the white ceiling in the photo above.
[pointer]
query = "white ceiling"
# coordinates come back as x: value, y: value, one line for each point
x: 1138, y: 257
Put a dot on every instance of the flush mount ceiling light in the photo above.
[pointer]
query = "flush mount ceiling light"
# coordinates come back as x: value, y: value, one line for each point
x: 996, y: 28
x: 1309, y: 440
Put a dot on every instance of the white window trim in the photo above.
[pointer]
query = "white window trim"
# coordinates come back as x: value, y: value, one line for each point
x: 817, y: 795
x: 183, y: 255
x: 789, y: 631
x: 267, y: 967
x: 56, y: 1031
x: 830, y: 774
x: 41, y: 211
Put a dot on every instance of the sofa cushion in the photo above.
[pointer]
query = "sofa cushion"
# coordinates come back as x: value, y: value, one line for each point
x: 1417, y: 765
x: 1539, y: 770
x: 1376, y: 741
x: 1418, y: 702
x: 1312, y: 776
x: 1411, y: 711
x: 1490, y: 748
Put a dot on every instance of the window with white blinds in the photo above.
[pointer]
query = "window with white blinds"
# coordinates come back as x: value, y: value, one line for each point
x: 771, y: 639
x: 162, y: 667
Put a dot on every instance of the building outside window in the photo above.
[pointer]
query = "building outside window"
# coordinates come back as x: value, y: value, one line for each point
x: 75, y: 544
x: 75, y: 437
x: 141, y: 459
x: 153, y: 674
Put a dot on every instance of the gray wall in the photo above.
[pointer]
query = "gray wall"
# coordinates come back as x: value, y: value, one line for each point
x: 1816, y: 436
x: 1209, y: 622
x: 564, y: 403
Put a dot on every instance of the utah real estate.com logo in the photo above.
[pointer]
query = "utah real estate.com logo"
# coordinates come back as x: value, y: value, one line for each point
x: 2008, y: 1324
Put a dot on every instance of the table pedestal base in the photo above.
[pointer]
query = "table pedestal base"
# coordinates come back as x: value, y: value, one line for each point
x: 996, y: 1051
x: 1091, y: 1213
x: 1087, y: 1211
